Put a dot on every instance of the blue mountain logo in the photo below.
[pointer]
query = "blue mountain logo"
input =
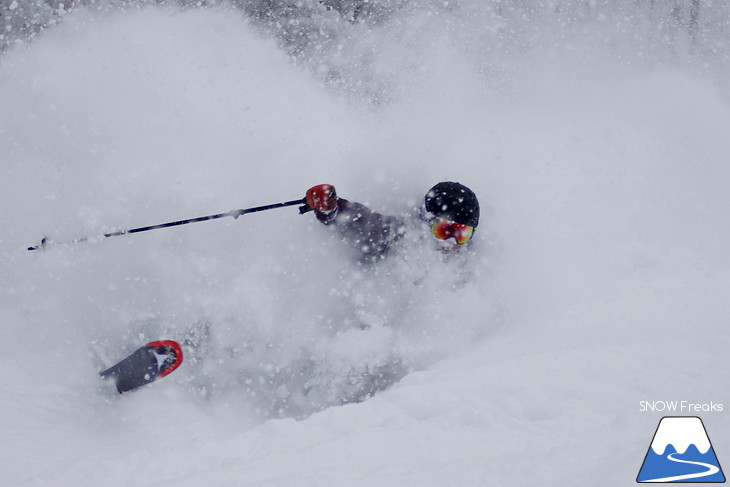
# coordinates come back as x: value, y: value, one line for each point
x: 681, y: 452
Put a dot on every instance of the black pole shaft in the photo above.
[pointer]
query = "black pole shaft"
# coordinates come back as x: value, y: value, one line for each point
x: 234, y: 214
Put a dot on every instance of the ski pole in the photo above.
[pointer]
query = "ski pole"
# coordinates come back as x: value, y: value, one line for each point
x: 234, y: 213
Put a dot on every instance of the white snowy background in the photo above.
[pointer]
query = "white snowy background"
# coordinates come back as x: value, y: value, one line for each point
x: 596, y: 135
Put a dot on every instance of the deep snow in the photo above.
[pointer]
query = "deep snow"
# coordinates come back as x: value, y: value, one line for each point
x: 597, y: 278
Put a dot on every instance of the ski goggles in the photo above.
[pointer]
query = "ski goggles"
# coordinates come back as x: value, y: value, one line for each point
x: 443, y: 229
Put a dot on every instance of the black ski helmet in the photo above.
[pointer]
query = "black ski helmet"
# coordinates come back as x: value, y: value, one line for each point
x: 453, y: 201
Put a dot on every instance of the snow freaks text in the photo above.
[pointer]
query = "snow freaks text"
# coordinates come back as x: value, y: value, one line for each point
x: 680, y: 407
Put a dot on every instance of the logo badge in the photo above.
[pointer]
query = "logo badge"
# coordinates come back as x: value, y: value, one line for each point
x: 680, y: 452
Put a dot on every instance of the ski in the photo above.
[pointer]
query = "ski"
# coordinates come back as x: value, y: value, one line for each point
x: 146, y: 364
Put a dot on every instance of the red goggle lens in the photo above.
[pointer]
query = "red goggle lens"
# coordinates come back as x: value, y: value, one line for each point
x: 444, y: 229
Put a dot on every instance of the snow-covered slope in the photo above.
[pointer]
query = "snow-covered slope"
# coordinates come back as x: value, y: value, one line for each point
x: 597, y: 278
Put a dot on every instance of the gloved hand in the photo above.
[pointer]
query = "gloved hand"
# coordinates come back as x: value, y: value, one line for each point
x: 322, y: 198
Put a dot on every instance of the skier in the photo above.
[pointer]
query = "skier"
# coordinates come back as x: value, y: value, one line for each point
x: 450, y: 209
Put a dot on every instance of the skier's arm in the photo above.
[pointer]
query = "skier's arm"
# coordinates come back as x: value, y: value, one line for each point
x: 370, y: 232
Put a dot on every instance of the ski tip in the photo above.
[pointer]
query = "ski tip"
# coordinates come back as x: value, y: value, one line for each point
x: 146, y: 364
x: 173, y: 353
